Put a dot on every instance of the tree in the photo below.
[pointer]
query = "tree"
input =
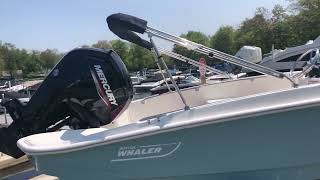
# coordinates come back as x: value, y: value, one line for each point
x: 8, y: 50
x: 33, y: 63
x: 122, y: 49
x: 139, y: 57
x: 280, y: 29
x: 1, y: 63
x: 103, y: 44
x: 49, y: 58
x: 283, y: 27
x: 305, y: 22
x: 21, y: 56
x: 278, y: 13
x: 223, y: 40
x: 263, y: 12
x: 255, y: 32
x: 299, y: 6
x: 194, y: 36
x: 1, y: 58
x: 280, y: 34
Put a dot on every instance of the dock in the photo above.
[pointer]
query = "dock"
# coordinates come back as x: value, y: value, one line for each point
x: 8, y: 161
x: 10, y: 167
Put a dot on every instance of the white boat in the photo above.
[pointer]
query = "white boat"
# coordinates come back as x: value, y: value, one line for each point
x: 146, y: 87
x: 136, y: 80
x: 260, y: 127
x: 9, y: 87
x: 22, y: 98
x: 280, y: 60
x: 184, y: 81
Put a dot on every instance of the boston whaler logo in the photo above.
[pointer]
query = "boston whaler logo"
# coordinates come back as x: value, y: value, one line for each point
x: 128, y: 153
x: 102, y: 86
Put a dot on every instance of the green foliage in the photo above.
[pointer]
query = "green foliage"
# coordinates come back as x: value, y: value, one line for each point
x: 194, y: 36
x: 1, y: 62
x: 255, y: 31
x: 103, y: 44
x: 279, y: 13
x: 9, y: 54
x: 49, y: 58
x: 122, y: 49
x: 223, y: 40
x: 281, y: 27
x: 12, y: 59
x: 134, y: 56
x: 305, y: 23
x: 285, y: 28
x: 139, y: 58
x: 33, y: 63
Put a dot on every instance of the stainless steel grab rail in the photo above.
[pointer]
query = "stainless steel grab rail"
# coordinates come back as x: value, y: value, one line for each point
x: 212, y: 53
x: 192, y: 62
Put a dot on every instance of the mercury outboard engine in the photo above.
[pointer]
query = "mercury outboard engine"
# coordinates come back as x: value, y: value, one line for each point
x: 86, y: 89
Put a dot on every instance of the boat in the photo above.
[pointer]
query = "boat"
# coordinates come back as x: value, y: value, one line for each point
x: 21, y: 91
x: 184, y: 81
x: 136, y: 80
x: 279, y: 59
x: 3, y: 84
x: 147, y: 86
x: 11, y: 86
x: 23, y: 98
x: 259, y: 127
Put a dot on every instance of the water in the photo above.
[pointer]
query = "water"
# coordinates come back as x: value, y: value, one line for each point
x: 18, y: 172
x: 28, y: 174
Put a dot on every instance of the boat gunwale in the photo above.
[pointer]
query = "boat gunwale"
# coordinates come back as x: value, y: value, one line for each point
x: 152, y: 127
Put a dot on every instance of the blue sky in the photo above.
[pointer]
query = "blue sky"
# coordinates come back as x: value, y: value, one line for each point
x: 64, y: 25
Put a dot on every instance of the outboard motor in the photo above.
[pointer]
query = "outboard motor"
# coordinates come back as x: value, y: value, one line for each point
x: 86, y: 89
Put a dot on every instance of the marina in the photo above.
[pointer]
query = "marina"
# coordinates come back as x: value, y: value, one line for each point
x: 111, y: 128
x: 160, y: 103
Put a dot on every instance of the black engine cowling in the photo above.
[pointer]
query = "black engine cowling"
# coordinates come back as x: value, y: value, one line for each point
x: 87, y: 88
